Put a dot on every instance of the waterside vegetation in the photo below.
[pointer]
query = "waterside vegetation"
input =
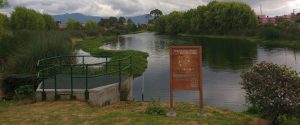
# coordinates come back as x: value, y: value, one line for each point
x: 229, y: 20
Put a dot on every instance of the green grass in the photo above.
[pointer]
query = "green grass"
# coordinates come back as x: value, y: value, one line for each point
x: 125, y: 113
x: 92, y: 44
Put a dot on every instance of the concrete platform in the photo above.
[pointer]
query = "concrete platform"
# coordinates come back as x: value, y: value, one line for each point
x: 103, y: 90
x: 63, y: 81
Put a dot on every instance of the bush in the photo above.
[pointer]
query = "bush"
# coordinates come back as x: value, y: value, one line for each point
x: 25, y: 92
x: 269, y: 33
x: 273, y: 89
x: 12, y: 82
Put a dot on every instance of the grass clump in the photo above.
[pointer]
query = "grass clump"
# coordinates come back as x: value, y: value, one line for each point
x: 154, y: 108
x: 30, y: 46
x: 92, y: 44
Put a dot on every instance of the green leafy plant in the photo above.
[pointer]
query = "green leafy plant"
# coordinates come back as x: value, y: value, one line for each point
x: 25, y: 92
x: 154, y: 108
x: 273, y: 89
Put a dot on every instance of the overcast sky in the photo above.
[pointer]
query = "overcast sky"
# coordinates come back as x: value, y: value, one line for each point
x: 139, y: 7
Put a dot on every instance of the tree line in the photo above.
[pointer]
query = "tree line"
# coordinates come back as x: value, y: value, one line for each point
x: 213, y: 18
x: 24, y: 18
x: 108, y: 23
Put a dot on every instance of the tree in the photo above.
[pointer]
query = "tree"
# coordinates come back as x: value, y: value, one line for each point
x: 108, y: 22
x: 198, y: 20
x: 222, y: 17
x: 73, y: 25
x: 4, y: 27
x: 4, y: 21
x: 3, y: 3
x: 129, y: 21
x: 5, y: 35
x: 273, y: 89
x: 214, y: 18
x: 49, y: 22
x: 156, y: 13
x: 174, y: 23
x: 103, y: 22
x: 91, y: 24
x: 122, y: 20
x: 113, y: 21
x: 23, y: 18
x: 297, y: 20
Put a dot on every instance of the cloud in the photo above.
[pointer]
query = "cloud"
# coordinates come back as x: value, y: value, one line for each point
x: 138, y: 7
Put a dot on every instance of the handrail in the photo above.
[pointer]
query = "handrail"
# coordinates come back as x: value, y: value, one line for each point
x: 83, y: 68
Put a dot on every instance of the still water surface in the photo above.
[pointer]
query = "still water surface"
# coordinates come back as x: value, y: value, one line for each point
x: 223, y: 61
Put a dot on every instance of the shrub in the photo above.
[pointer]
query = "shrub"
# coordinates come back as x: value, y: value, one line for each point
x: 24, y: 92
x: 269, y: 33
x: 12, y: 82
x: 273, y: 89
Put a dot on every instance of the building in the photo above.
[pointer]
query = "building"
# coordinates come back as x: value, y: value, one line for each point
x: 263, y: 19
x: 61, y: 26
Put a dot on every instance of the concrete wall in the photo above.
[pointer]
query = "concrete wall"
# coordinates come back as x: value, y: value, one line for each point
x: 97, y: 96
x: 126, y: 89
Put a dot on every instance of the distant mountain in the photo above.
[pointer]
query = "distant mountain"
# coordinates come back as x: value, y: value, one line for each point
x: 76, y: 16
x: 84, y: 18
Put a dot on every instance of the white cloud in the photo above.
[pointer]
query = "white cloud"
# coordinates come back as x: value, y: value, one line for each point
x: 138, y: 7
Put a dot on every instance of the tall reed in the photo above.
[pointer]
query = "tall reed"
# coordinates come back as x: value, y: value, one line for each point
x: 33, y: 45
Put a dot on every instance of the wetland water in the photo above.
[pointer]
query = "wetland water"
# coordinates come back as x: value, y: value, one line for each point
x: 223, y: 61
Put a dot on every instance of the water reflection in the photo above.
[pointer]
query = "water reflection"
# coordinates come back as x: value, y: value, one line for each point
x: 88, y: 59
x: 222, y: 64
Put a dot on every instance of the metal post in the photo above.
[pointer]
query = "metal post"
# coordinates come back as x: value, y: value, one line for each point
x: 44, y: 96
x: 130, y: 63
x: 60, y: 63
x: 71, y: 82
x: 86, y: 93
x: 106, y: 64
x: 55, y: 87
x: 120, y: 75
x: 83, y: 64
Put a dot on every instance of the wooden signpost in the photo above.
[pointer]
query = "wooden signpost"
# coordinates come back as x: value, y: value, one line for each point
x: 185, y: 71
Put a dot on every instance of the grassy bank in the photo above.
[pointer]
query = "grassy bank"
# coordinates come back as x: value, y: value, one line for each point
x: 270, y: 43
x: 92, y: 44
x: 127, y: 113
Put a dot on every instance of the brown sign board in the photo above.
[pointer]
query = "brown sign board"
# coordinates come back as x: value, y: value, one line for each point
x: 185, y: 70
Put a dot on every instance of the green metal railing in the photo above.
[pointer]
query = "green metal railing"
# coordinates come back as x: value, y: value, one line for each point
x: 49, y: 68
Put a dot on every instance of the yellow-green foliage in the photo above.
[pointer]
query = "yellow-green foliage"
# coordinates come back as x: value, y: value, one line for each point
x: 23, y: 18
x: 91, y: 24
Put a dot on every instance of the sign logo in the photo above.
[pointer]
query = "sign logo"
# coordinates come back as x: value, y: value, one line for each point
x: 185, y: 70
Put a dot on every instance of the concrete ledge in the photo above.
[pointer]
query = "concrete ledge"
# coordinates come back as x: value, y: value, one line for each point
x: 99, y: 96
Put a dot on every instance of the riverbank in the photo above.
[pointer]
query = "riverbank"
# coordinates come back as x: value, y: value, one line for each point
x: 75, y: 112
x: 294, y: 44
x: 93, y: 45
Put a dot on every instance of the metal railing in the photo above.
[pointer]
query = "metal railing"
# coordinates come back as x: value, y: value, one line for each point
x: 49, y: 68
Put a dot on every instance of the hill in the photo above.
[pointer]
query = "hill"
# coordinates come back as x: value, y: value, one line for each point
x: 84, y: 18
